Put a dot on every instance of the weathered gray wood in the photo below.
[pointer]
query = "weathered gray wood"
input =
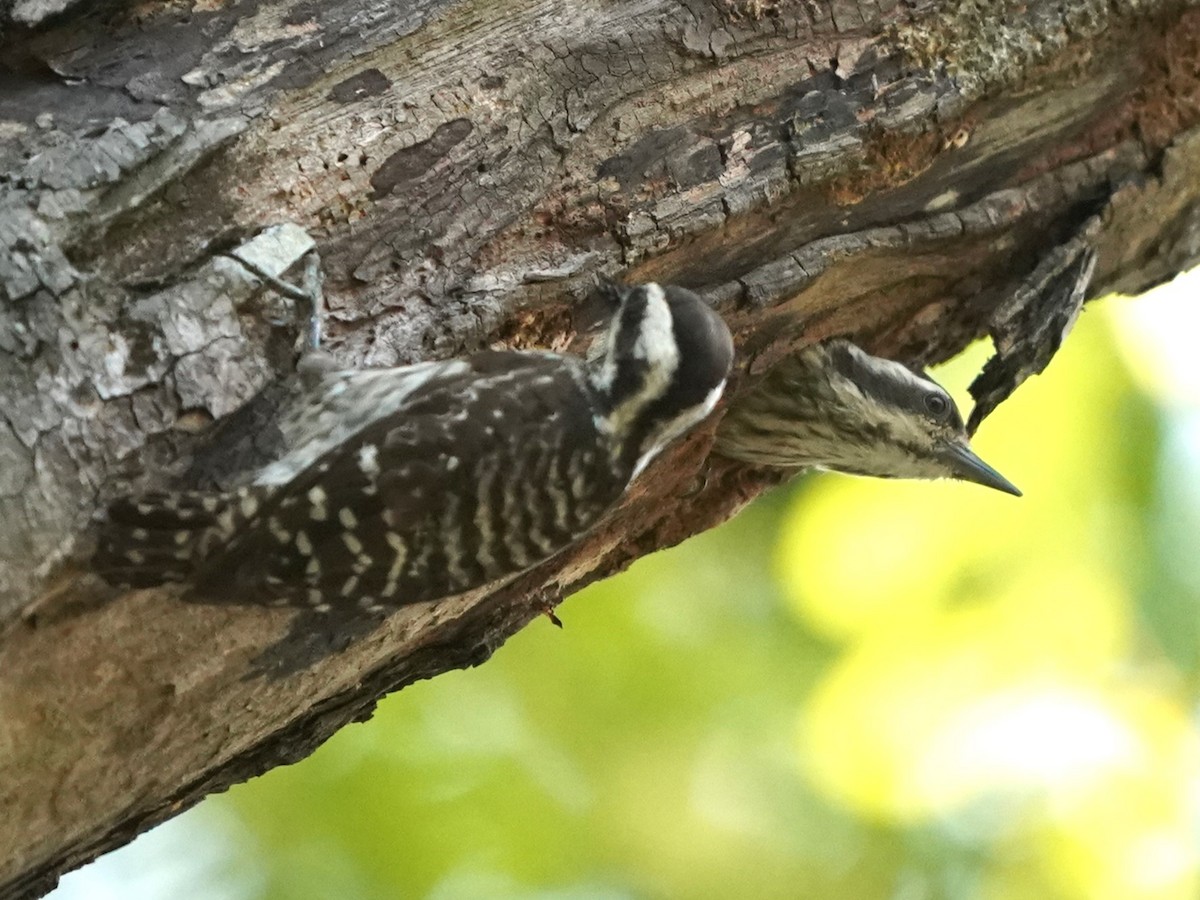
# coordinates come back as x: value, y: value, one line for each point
x: 886, y: 170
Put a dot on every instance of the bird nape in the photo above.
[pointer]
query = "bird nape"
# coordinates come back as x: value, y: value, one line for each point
x: 834, y: 406
x: 409, y: 484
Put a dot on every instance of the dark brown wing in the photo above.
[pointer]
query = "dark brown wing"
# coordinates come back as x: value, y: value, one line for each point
x: 477, y: 476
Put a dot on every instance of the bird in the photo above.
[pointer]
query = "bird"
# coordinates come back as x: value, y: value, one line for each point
x: 409, y: 484
x: 832, y: 405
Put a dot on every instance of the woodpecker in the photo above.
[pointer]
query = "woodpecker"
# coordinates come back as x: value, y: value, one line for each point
x: 410, y: 484
x: 834, y: 406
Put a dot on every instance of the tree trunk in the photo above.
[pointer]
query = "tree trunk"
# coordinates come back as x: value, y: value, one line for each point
x: 891, y: 170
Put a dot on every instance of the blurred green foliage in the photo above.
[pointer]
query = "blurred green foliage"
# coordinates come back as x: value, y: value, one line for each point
x: 856, y: 689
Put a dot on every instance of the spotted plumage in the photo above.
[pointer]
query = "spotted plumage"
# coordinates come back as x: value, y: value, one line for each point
x: 410, y: 484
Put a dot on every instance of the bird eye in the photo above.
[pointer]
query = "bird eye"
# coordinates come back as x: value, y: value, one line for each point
x: 937, y: 405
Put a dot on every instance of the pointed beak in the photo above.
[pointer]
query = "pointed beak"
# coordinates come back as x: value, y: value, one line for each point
x: 969, y: 467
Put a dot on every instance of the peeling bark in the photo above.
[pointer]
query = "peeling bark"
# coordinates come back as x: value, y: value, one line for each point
x: 887, y: 170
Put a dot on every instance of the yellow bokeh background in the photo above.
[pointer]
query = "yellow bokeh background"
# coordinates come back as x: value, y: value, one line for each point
x: 990, y: 651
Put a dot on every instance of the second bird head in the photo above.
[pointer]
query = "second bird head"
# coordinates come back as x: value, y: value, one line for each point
x: 834, y: 406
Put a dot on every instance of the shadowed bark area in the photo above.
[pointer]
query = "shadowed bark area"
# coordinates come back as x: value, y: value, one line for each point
x: 892, y: 171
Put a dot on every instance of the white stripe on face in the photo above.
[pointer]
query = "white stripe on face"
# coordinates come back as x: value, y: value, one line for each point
x: 677, y: 427
x: 656, y: 345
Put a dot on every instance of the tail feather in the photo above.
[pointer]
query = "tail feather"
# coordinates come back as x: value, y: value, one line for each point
x: 158, y: 538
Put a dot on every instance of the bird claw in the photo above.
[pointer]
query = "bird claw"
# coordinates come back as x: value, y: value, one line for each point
x: 695, y: 487
x: 312, y: 293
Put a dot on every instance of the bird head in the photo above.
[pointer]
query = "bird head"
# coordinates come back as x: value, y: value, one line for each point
x: 661, y: 367
x: 834, y: 406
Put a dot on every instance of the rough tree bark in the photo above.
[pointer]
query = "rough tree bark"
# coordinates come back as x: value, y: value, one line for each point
x: 888, y: 169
